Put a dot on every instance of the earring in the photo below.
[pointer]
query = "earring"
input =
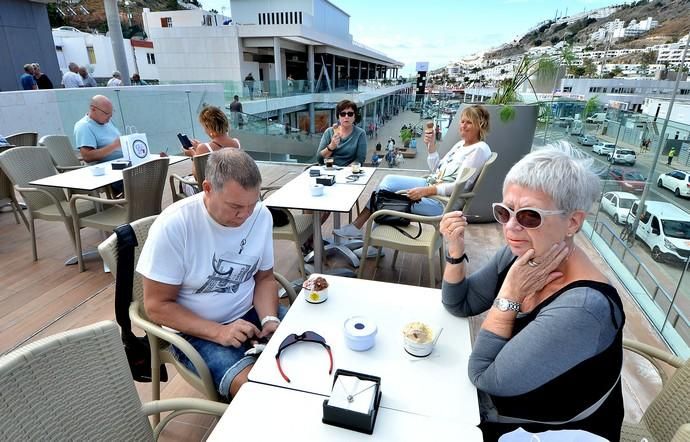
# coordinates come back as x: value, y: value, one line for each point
x: 569, y: 235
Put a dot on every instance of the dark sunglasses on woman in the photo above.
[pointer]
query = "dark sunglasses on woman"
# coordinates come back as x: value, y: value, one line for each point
x: 527, y: 217
x: 347, y: 114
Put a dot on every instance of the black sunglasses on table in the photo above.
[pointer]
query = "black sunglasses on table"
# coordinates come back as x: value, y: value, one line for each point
x: 307, y: 336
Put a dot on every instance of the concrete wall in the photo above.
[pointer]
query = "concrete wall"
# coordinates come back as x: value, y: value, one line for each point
x: 25, y: 37
x: 159, y: 111
x: 203, y: 53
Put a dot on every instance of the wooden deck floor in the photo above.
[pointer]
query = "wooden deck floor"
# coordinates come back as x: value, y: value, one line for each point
x: 45, y: 297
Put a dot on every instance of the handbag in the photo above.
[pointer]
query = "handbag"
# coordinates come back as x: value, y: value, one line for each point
x: 386, y: 200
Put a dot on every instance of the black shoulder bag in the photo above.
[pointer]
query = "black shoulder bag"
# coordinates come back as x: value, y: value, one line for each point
x: 138, y: 349
x: 385, y: 199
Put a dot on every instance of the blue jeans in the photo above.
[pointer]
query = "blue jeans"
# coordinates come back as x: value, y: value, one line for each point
x: 425, y: 206
x: 224, y: 362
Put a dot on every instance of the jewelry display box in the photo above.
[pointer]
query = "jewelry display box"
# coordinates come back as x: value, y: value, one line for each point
x: 349, y: 419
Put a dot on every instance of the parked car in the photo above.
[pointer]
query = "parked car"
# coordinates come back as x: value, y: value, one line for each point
x: 627, y: 156
x: 617, y: 205
x: 677, y: 181
x: 565, y: 121
x: 587, y: 140
x: 599, y: 117
x: 629, y: 180
x: 603, y: 148
x: 665, y: 229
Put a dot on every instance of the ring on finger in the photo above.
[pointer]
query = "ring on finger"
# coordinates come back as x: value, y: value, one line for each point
x: 532, y: 263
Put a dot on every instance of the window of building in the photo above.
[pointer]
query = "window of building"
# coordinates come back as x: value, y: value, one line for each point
x: 292, y: 18
x: 567, y: 89
x: 92, y: 54
x: 282, y: 18
x: 151, y: 58
x: 273, y: 18
x: 166, y: 22
x: 300, y: 17
x: 208, y: 20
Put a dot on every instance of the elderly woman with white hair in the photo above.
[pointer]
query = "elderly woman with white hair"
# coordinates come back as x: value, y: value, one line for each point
x: 549, y: 352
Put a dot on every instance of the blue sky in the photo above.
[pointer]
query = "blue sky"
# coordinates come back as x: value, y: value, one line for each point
x: 441, y: 31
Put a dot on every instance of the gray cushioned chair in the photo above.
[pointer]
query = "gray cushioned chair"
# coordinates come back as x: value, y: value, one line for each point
x: 61, y: 151
x: 427, y: 243
x: 23, y: 139
x: 177, y: 181
x: 77, y: 385
x: 25, y: 164
x: 668, y: 416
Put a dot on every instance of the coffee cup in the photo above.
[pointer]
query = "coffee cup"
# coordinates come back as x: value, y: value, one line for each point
x: 97, y: 170
x: 419, y: 338
x: 356, y: 167
x: 329, y: 162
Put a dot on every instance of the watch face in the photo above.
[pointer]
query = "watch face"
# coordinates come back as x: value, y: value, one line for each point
x: 502, y: 304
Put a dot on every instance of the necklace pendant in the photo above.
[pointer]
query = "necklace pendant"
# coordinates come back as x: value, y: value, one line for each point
x: 350, y: 399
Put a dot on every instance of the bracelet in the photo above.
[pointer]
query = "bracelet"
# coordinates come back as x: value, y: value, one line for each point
x: 269, y: 319
x: 329, y: 149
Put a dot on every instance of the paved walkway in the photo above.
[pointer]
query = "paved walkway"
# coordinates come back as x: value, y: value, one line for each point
x: 392, y: 129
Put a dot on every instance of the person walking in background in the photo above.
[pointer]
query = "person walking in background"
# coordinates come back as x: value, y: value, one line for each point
x: 116, y: 80
x: 71, y: 78
x: 249, y: 83
x: 671, y: 154
x: 137, y: 81
x: 42, y: 79
x: 87, y: 79
x: 290, y: 84
x: 378, y: 146
x: 27, y: 79
x: 236, y: 112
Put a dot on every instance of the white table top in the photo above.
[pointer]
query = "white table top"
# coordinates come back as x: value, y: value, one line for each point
x: 435, y: 386
x: 84, y: 179
x: 272, y: 413
x: 339, y: 197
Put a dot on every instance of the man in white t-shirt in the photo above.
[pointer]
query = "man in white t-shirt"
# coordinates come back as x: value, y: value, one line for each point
x: 208, y: 269
x: 72, y: 79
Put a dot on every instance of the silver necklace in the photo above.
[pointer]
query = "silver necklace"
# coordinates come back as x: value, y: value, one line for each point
x: 351, y: 396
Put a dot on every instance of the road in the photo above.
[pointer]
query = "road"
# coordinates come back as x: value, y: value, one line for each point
x: 643, y: 165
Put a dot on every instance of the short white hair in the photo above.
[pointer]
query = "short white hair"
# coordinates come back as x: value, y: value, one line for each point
x: 562, y: 172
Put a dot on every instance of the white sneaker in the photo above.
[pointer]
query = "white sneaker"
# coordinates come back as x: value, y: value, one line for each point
x: 349, y: 231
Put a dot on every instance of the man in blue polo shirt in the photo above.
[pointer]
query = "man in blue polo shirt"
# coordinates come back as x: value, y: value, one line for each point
x: 96, y: 137
x: 27, y: 78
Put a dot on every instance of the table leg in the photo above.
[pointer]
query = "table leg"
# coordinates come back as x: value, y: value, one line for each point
x: 318, y: 242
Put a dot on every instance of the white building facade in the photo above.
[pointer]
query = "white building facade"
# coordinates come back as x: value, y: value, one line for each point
x: 309, y: 40
x: 95, y: 52
x: 631, y: 92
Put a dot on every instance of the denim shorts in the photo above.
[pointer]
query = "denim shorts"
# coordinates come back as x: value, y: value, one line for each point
x: 223, y: 362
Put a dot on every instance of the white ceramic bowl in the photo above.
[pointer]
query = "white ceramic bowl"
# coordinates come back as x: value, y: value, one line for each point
x: 316, y: 296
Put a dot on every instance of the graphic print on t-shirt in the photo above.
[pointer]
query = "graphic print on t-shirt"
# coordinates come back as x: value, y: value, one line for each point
x: 229, y: 271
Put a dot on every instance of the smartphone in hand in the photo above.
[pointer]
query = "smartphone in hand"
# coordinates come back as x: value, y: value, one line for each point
x: 184, y: 140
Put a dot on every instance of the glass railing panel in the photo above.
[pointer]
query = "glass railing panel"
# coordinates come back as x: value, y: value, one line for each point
x: 655, y: 275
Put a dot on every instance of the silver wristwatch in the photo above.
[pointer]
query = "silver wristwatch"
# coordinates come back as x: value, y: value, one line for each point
x: 504, y: 305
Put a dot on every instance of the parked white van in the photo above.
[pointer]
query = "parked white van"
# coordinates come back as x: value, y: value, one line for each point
x: 665, y: 228
x: 598, y: 117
